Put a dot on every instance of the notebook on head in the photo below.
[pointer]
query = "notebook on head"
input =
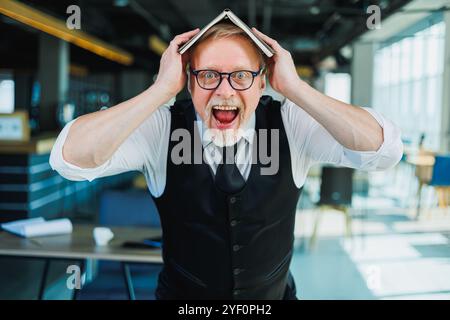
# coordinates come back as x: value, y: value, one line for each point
x: 228, y: 14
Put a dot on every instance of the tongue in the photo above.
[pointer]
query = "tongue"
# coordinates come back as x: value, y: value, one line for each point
x: 225, y: 116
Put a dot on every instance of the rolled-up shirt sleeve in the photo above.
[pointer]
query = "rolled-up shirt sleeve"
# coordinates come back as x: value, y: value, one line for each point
x: 141, y: 151
x: 388, y: 154
x: 311, y: 143
x: 67, y: 169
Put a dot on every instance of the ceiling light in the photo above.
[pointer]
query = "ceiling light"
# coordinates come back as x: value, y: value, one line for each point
x: 315, y: 10
x: 121, y: 3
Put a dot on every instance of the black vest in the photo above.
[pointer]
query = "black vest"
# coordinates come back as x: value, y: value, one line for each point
x: 227, y: 246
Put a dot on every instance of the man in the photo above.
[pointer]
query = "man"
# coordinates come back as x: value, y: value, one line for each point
x: 227, y: 227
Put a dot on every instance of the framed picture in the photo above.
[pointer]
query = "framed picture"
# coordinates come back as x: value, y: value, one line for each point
x: 14, y: 126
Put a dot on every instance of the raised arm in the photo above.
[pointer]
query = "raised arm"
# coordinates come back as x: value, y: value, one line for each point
x: 353, y: 127
x: 93, y: 138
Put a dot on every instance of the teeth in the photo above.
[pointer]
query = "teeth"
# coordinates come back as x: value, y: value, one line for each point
x: 225, y: 108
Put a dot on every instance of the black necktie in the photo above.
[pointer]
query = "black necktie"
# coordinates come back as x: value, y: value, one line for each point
x: 228, y: 178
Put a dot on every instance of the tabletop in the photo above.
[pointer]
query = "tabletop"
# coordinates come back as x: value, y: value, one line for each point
x: 80, y: 244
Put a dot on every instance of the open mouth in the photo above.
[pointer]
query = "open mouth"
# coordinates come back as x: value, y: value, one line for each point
x: 225, y: 115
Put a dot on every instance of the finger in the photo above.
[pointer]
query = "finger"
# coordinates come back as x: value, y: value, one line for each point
x: 187, y: 34
x: 175, y: 44
x: 182, y: 38
x: 271, y: 42
x: 190, y: 32
x: 263, y: 35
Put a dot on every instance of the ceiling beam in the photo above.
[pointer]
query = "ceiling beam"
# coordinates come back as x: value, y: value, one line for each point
x: 57, y: 28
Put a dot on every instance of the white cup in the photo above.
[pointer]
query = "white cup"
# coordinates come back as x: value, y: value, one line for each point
x: 102, y: 235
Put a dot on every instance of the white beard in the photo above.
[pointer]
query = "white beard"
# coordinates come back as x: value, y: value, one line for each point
x: 224, y: 138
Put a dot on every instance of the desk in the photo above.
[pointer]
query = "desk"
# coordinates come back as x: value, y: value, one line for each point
x: 80, y: 245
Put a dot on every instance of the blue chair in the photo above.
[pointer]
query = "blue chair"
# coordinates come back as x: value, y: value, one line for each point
x: 441, y: 171
x: 125, y: 208
x: 138, y: 205
x: 440, y: 179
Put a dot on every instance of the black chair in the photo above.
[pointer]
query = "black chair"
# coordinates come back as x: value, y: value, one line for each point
x: 336, y: 191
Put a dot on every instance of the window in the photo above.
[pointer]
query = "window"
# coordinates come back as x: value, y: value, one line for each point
x: 408, y: 76
x: 338, y: 86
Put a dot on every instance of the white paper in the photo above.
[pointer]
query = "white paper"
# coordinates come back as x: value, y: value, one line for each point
x: 38, y: 227
x: 17, y: 227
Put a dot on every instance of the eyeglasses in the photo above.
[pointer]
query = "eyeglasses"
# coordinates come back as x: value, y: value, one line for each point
x: 238, y: 80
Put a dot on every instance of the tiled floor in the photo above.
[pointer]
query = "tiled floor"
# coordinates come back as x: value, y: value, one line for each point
x: 110, y: 285
x: 391, y: 256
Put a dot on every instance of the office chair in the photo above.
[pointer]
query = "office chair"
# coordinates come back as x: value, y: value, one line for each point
x: 336, y: 190
x: 128, y: 208
x: 440, y: 180
x: 125, y: 208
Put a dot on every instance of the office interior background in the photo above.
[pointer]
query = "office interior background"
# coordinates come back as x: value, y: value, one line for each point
x: 358, y: 235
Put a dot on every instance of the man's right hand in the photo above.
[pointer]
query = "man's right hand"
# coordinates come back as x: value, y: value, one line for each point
x: 171, y: 76
x: 109, y: 128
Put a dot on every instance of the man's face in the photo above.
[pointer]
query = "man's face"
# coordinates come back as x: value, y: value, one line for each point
x: 226, y: 55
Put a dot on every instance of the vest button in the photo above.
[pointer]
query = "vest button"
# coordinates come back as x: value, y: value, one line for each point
x: 236, y: 292
x: 232, y: 199
x: 233, y: 223
x: 236, y: 247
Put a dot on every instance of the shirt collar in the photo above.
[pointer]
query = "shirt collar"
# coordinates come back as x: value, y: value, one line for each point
x: 248, y: 130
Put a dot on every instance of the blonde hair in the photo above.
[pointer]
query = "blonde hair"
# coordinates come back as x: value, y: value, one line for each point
x: 228, y: 29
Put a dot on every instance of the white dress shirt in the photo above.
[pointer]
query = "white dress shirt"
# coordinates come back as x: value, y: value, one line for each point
x: 146, y: 149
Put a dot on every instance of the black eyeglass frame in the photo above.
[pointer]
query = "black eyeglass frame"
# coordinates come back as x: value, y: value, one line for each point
x: 228, y: 74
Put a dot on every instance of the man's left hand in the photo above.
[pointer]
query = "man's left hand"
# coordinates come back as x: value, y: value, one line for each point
x: 281, y: 68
